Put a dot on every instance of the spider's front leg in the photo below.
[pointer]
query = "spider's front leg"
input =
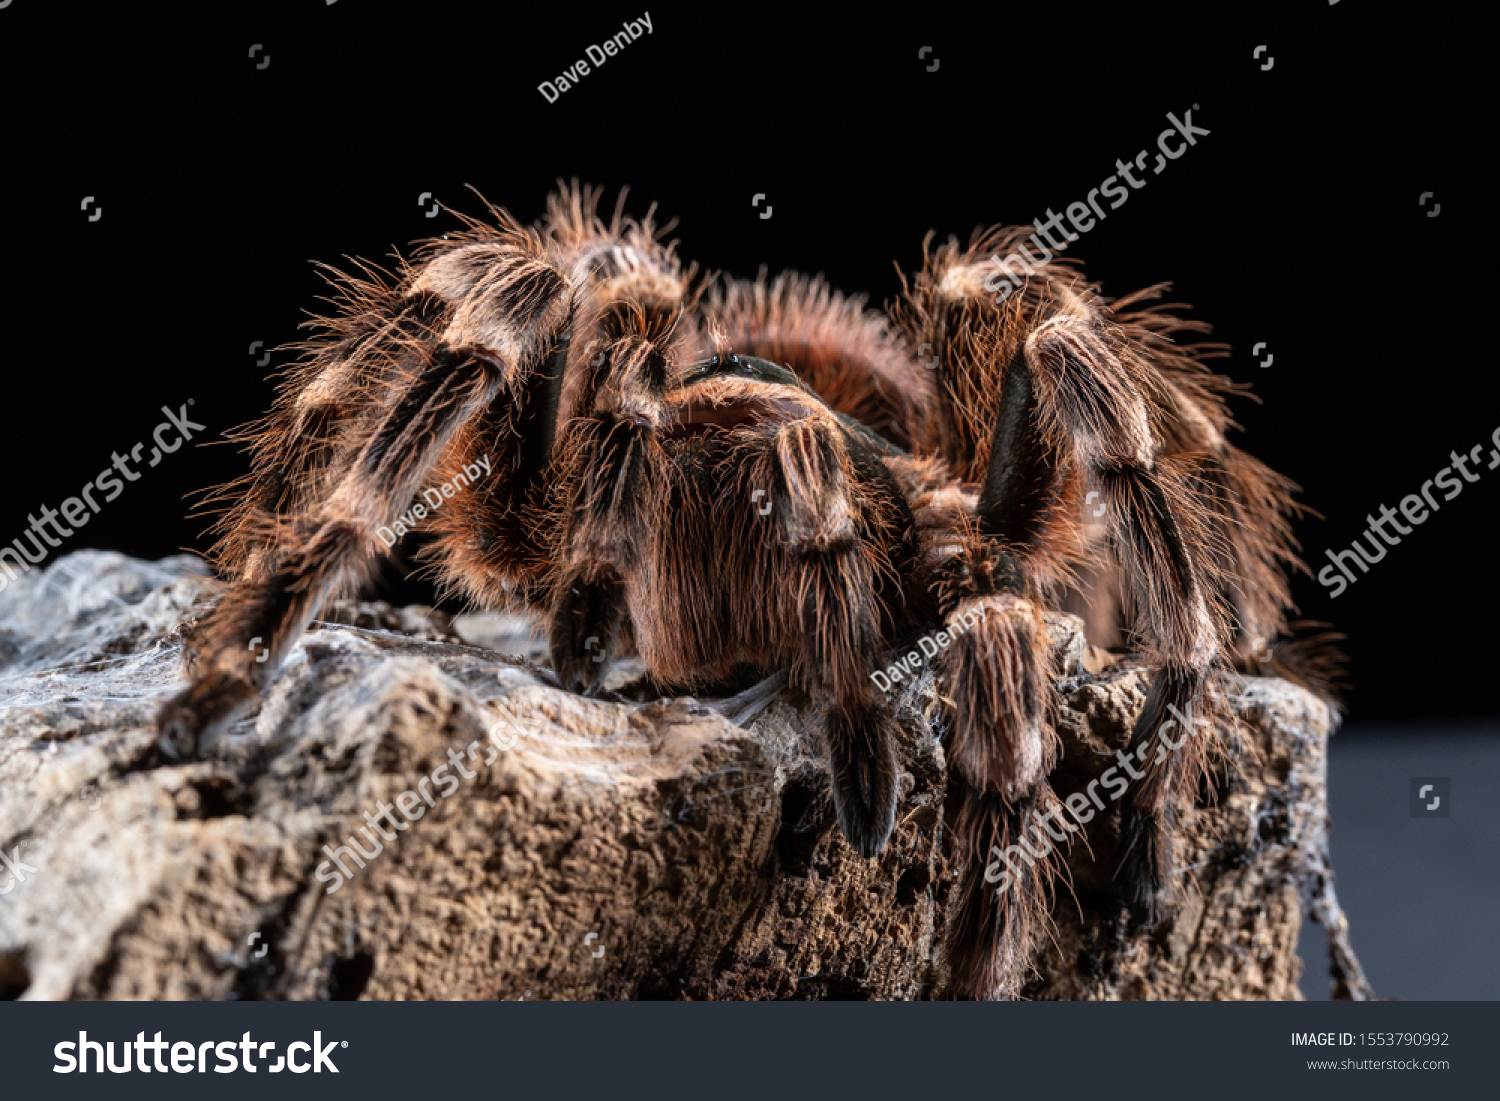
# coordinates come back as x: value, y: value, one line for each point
x: 841, y: 517
x: 1094, y: 405
x: 242, y: 642
x: 508, y: 322
x: 615, y: 478
x: 614, y: 484
x: 997, y: 675
x: 1074, y: 403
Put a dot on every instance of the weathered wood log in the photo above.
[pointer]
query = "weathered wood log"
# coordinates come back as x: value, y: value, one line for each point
x: 590, y: 849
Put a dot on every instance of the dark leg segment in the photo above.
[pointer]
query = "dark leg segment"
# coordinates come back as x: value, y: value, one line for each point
x: 585, y: 621
x: 1091, y: 396
x: 821, y: 518
x: 325, y: 555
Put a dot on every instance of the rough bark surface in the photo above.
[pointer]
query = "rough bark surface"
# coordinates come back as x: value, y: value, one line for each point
x: 630, y: 848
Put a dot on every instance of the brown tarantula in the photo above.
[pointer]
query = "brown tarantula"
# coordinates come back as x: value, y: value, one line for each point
x: 917, y: 469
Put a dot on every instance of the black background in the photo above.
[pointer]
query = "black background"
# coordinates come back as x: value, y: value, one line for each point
x: 1296, y: 222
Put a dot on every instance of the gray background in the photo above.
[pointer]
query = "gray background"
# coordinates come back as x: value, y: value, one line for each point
x: 1422, y: 894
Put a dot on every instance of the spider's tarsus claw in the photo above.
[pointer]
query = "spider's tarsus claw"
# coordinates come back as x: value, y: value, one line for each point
x: 866, y: 836
x: 584, y: 624
x: 177, y: 738
x: 1143, y: 880
x: 864, y: 788
x: 189, y: 722
x: 589, y: 687
x: 177, y: 728
x: 582, y: 678
x: 1147, y: 904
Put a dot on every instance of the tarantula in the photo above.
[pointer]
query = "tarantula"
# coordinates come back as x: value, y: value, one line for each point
x: 767, y: 475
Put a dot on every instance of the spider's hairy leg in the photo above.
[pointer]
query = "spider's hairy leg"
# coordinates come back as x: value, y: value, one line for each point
x: 615, y: 479
x: 326, y: 554
x: 614, y: 474
x: 825, y: 511
x: 1092, y: 390
x: 301, y: 449
x: 494, y: 543
x: 506, y: 311
x: 1251, y: 505
x: 585, y: 624
x: 991, y: 564
x: 1070, y: 403
x: 998, y: 674
x: 509, y: 298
